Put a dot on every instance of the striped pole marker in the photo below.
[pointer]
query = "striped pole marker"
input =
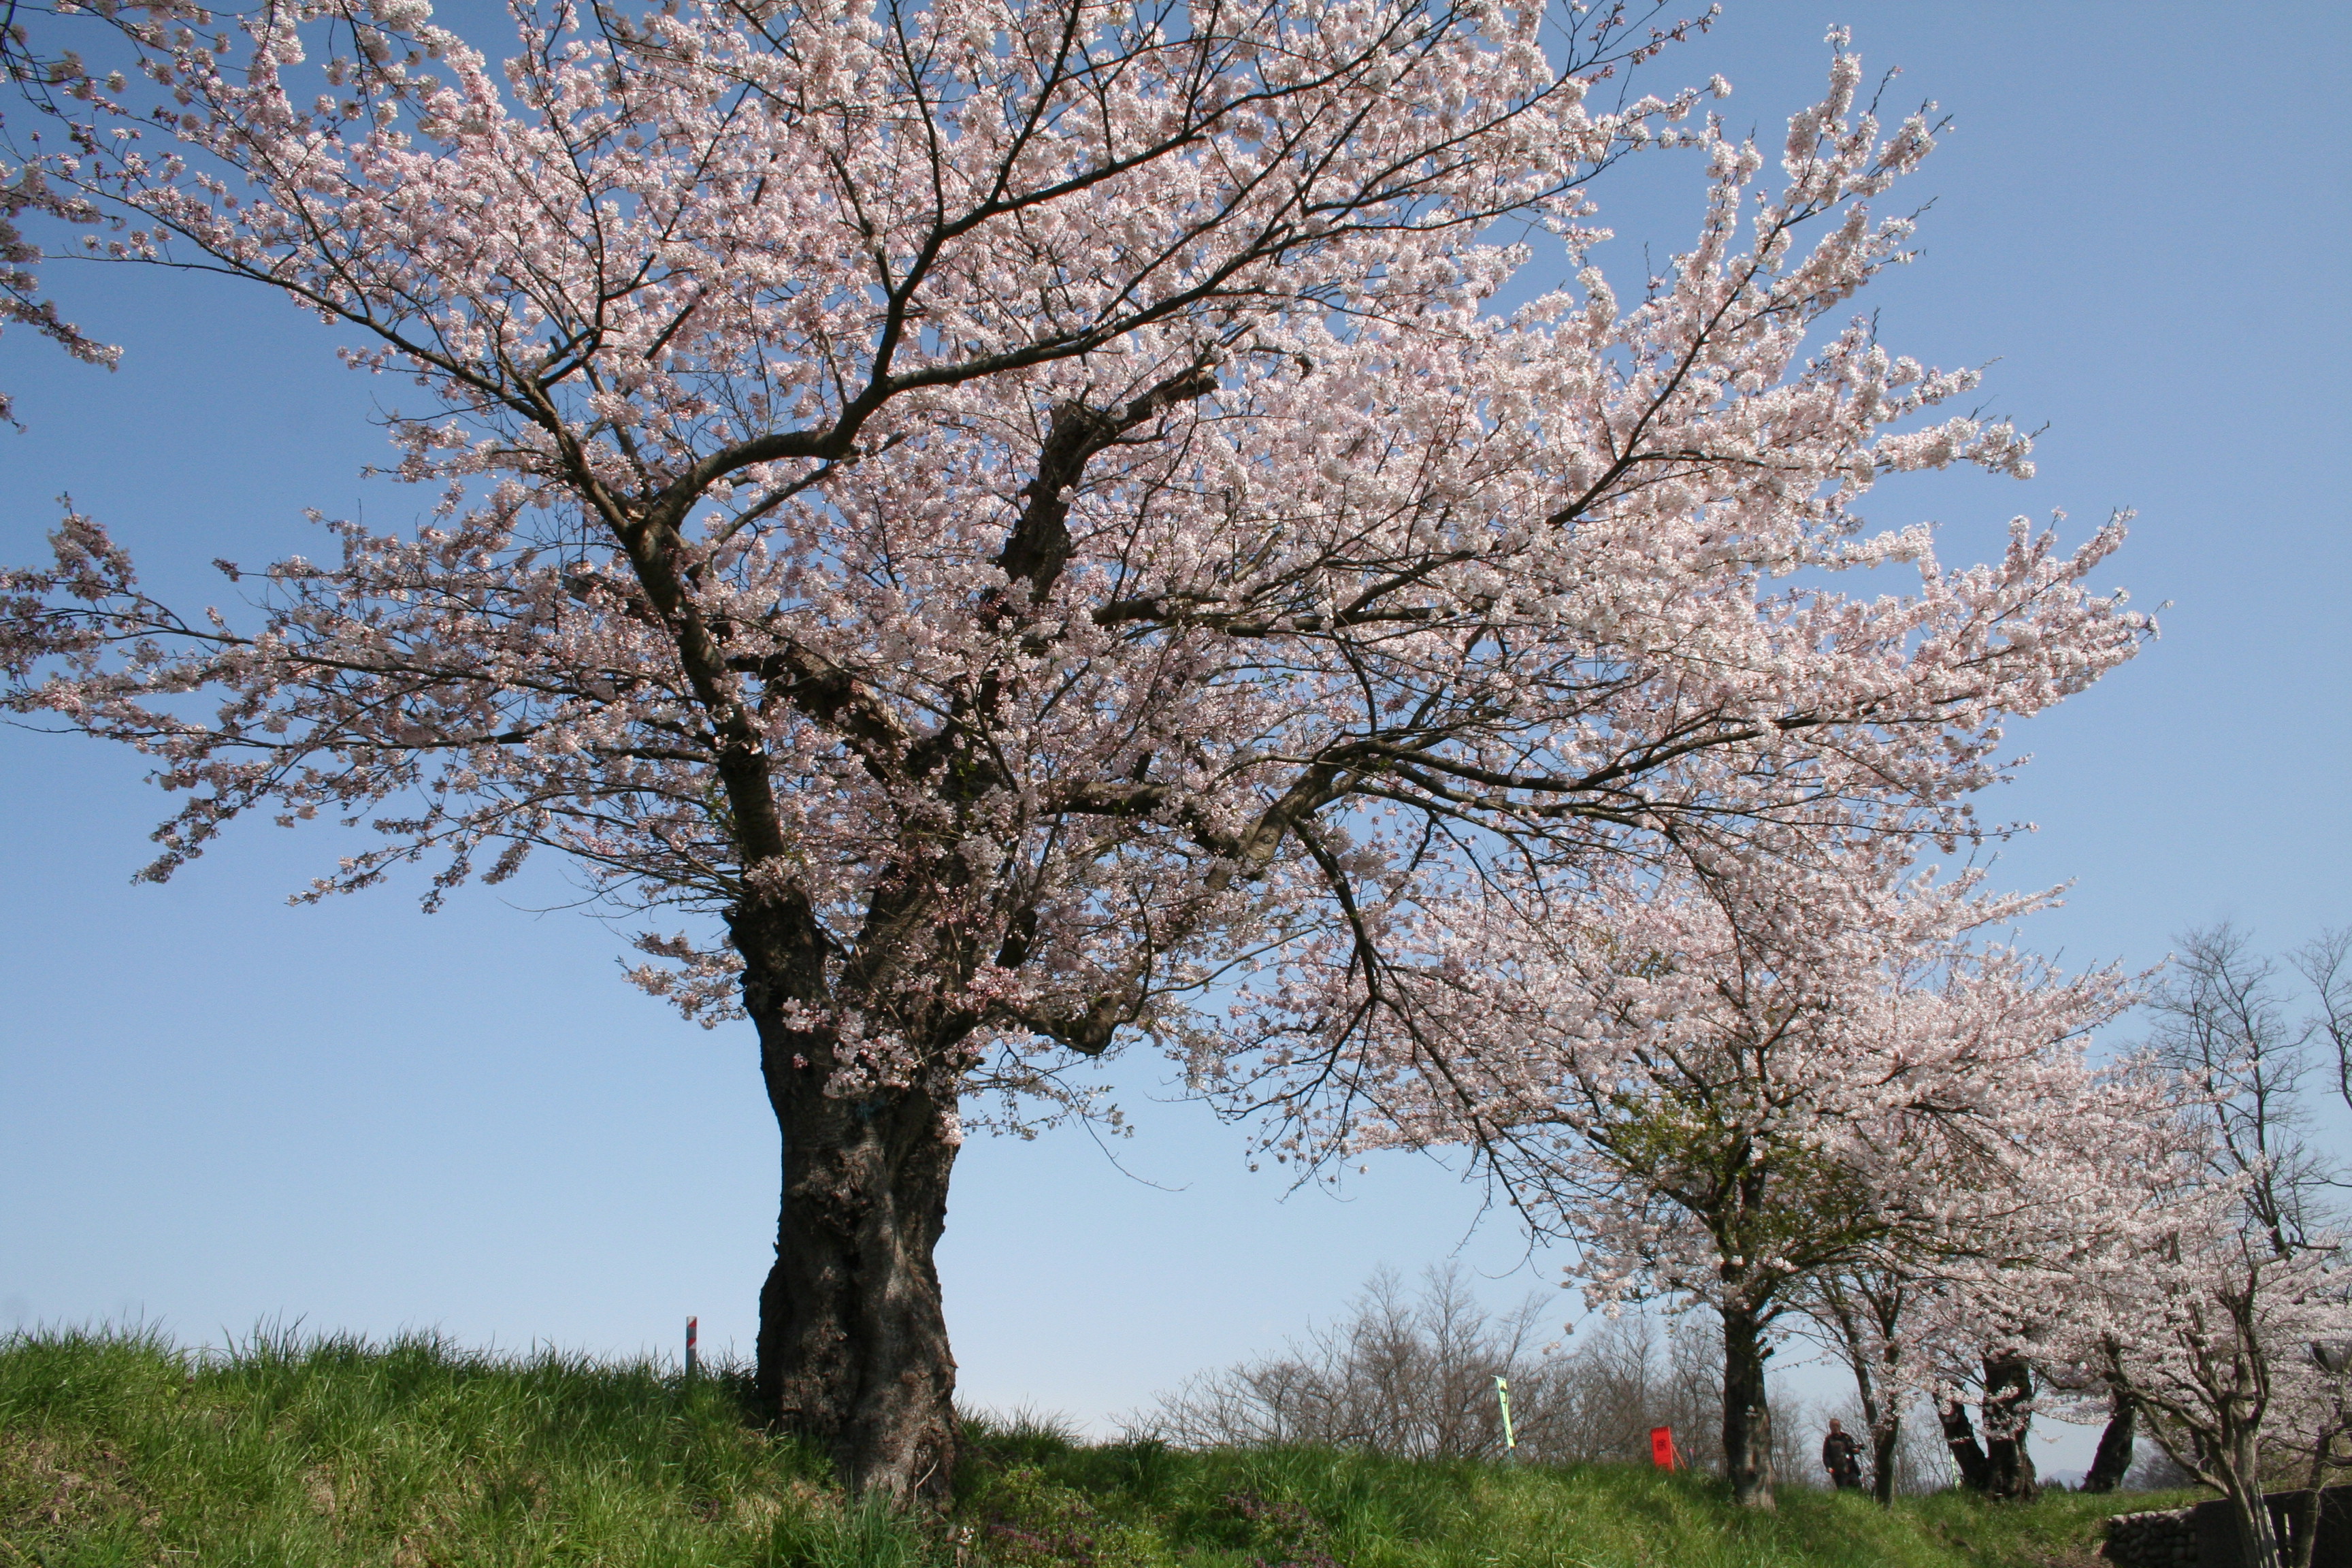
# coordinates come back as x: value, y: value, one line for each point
x: 693, y: 1359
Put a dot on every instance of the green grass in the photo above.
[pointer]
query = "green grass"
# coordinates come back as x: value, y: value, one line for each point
x: 117, y: 1450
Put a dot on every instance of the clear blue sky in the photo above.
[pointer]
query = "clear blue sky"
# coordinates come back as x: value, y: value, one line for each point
x: 215, y: 1109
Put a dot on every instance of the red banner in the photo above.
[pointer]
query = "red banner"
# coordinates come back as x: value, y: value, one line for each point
x: 1661, y: 1446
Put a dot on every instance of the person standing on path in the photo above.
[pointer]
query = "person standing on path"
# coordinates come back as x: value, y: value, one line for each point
x: 1841, y: 1457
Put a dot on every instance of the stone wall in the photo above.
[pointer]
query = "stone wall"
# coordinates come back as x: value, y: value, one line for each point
x: 2161, y: 1538
x: 2205, y: 1535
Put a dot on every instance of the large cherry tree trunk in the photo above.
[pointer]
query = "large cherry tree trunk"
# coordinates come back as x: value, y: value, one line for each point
x: 2113, y: 1461
x: 1746, y: 1410
x: 853, y: 1342
x: 1960, y: 1437
x: 2008, y: 1421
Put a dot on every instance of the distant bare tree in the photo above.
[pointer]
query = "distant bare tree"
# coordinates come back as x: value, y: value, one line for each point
x: 1923, y: 1463
x: 1403, y: 1374
x: 2228, y: 1021
x: 2325, y: 964
x: 2157, y: 1471
x: 1414, y: 1374
x: 1632, y: 1374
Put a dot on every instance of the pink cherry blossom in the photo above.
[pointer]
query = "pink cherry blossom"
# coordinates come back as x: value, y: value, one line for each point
x: 1006, y: 525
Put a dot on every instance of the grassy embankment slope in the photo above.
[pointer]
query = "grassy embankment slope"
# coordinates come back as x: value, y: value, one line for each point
x: 118, y: 1449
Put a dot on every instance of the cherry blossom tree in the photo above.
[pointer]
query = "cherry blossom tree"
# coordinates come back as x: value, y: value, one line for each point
x: 2002, y: 1310
x: 992, y: 516
x: 1734, y: 1087
x: 1911, y: 1327
x: 2229, y: 1349
x: 2195, y: 1294
x: 2222, y: 1315
x: 1914, y: 1323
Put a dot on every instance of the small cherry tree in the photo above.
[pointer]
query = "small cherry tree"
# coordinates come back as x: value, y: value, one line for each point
x: 1007, y: 510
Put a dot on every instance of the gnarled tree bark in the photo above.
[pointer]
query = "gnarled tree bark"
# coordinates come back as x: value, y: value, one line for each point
x: 2008, y: 1420
x: 1960, y: 1437
x: 853, y: 1342
x: 2114, y: 1458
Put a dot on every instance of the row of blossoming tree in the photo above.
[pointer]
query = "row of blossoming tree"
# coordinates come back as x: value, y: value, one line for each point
x: 1020, y: 525
x: 1838, y: 1107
